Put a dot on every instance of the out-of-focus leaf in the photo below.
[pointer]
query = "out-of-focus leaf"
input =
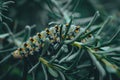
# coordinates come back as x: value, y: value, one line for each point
x: 2, y: 36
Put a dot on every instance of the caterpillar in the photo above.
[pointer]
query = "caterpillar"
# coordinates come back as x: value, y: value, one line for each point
x: 54, y: 34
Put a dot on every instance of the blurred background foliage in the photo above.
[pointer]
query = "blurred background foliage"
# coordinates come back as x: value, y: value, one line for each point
x: 39, y: 14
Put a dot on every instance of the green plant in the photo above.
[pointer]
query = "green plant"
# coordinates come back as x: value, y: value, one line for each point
x: 64, y: 52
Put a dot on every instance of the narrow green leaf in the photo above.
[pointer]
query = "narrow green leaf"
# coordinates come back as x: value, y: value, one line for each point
x: 104, y: 24
x: 27, y: 33
x: 96, y: 15
x: 5, y: 58
x: 2, y: 36
x: 7, y: 50
x: 61, y: 74
x: 92, y: 31
x: 64, y: 58
x: 97, y: 64
x: 46, y: 46
x: 34, y: 67
x: 45, y: 72
x: 53, y: 72
x: 68, y: 27
x: 8, y: 2
x: 59, y: 66
x: 73, y: 56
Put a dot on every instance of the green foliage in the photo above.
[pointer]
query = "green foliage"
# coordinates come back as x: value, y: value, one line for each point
x: 93, y: 54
